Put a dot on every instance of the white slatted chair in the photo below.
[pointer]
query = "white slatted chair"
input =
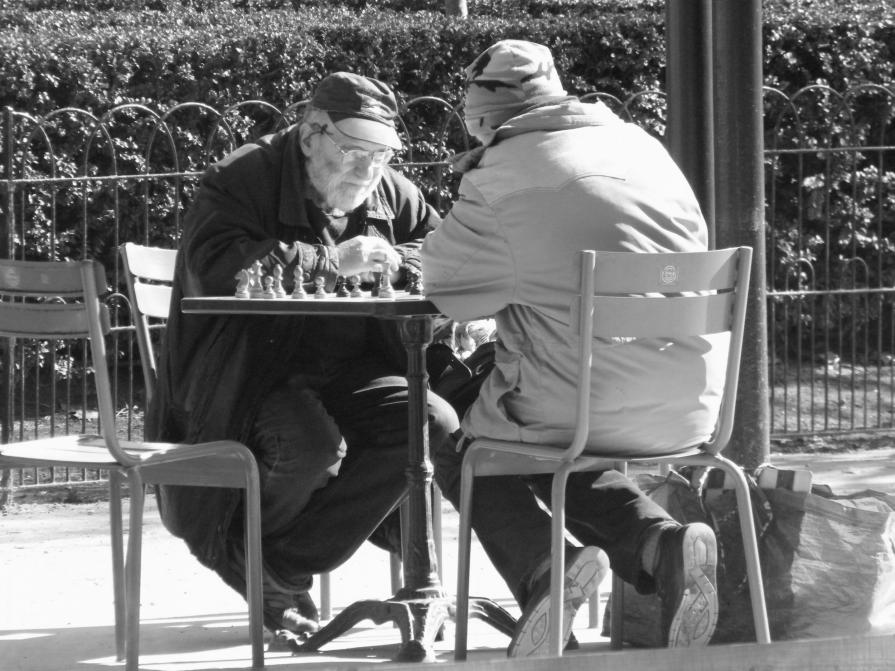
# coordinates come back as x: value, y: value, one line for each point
x: 32, y: 307
x: 626, y: 294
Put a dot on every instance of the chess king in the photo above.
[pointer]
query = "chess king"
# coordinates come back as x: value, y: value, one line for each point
x: 321, y: 401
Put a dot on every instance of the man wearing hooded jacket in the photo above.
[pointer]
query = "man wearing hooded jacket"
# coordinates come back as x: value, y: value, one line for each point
x: 554, y: 176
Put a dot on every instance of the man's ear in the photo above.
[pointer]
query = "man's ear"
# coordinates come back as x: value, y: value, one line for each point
x: 305, y: 133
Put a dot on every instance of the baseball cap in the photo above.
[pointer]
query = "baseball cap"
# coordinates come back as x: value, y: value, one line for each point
x: 361, y: 107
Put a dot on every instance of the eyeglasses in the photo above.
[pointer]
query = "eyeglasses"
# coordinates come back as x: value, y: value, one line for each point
x: 378, y: 158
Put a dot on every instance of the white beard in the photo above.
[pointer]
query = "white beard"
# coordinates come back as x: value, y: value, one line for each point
x: 335, y: 189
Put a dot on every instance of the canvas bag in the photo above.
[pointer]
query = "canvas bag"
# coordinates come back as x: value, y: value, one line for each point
x: 828, y: 562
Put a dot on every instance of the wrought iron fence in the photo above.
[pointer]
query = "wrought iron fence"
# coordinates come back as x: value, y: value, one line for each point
x: 830, y: 193
x: 76, y: 185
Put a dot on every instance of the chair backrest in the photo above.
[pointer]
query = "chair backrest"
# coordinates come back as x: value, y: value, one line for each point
x: 651, y: 295
x: 149, y: 272
x: 58, y: 300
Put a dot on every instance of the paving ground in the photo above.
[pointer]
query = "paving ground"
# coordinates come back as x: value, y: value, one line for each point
x: 56, y: 613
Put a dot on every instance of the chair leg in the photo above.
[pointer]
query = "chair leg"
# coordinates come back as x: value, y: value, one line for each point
x: 558, y: 564
x: 394, y: 566
x: 593, y: 610
x: 617, y: 613
x: 436, y: 529
x: 463, y: 556
x: 750, y: 547
x: 326, y: 604
x: 118, y: 588
x: 617, y: 606
x: 133, y: 568
x: 254, y: 583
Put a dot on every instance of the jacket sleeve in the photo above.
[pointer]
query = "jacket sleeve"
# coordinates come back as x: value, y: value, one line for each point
x: 468, y: 266
x: 227, y: 228
x: 414, y: 217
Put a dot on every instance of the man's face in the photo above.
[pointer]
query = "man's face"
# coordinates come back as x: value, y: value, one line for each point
x: 344, y: 170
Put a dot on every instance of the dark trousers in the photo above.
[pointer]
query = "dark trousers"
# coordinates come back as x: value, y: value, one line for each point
x: 333, y: 457
x: 604, y: 509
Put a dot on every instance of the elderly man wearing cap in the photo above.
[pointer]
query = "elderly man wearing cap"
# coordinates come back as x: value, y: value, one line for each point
x: 553, y: 176
x: 321, y: 401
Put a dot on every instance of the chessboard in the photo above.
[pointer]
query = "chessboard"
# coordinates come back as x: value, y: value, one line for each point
x: 402, y: 304
x: 260, y: 293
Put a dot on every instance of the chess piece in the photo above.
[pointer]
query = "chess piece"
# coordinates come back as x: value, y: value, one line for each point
x: 255, y: 274
x: 385, y: 285
x: 354, y: 285
x: 319, y: 291
x: 414, y: 281
x: 278, y: 289
x: 341, y: 289
x: 299, y: 290
x: 268, y: 291
x: 242, y: 284
x: 377, y: 280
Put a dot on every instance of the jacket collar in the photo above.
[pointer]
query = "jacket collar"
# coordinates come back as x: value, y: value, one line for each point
x: 557, y: 115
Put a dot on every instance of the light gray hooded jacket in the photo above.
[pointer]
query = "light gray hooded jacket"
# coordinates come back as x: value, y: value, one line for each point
x: 559, y: 178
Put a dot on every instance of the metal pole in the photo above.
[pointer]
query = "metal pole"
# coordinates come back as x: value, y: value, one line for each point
x: 739, y: 208
x: 7, y: 221
x: 688, y: 84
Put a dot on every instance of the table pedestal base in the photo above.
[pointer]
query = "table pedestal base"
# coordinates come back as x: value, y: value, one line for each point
x: 419, y: 621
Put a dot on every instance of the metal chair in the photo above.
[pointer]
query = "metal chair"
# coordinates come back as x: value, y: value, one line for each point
x: 58, y: 301
x: 149, y: 272
x: 625, y: 294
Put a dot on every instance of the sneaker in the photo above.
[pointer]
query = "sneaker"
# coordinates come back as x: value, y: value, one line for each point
x: 298, y: 616
x: 687, y: 585
x: 586, y: 567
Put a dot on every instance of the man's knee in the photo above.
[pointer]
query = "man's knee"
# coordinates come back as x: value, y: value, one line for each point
x: 443, y: 420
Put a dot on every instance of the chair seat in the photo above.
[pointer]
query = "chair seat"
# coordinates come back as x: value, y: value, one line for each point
x: 499, y: 457
x: 219, y: 463
x: 72, y: 450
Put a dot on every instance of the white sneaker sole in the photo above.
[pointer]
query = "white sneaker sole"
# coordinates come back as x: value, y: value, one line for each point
x: 582, y: 579
x: 694, y: 621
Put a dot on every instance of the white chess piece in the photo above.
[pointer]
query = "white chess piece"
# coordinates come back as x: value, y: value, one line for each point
x: 242, y: 284
x: 385, y: 285
x: 299, y: 277
x: 278, y: 289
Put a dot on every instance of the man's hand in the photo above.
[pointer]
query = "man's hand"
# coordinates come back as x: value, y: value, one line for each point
x: 362, y: 254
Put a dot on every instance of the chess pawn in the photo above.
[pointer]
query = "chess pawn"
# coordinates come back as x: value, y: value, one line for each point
x: 268, y: 288
x: 319, y: 291
x: 354, y: 285
x: 341, y: 289
x: 385, y: 285
x: 278, y: 289
x: 242, y: 284
x: 299, y: 290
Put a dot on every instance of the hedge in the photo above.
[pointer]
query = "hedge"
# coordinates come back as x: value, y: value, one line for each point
x: 95, y: 60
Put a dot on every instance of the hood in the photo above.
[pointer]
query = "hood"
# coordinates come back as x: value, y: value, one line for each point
x: 557, y: 115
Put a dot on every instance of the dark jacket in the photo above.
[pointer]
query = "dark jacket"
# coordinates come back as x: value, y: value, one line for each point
x: 215, y: 370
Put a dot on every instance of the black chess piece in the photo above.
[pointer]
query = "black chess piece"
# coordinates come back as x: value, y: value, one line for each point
x: 414, y: 282
x: 341, y: 289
